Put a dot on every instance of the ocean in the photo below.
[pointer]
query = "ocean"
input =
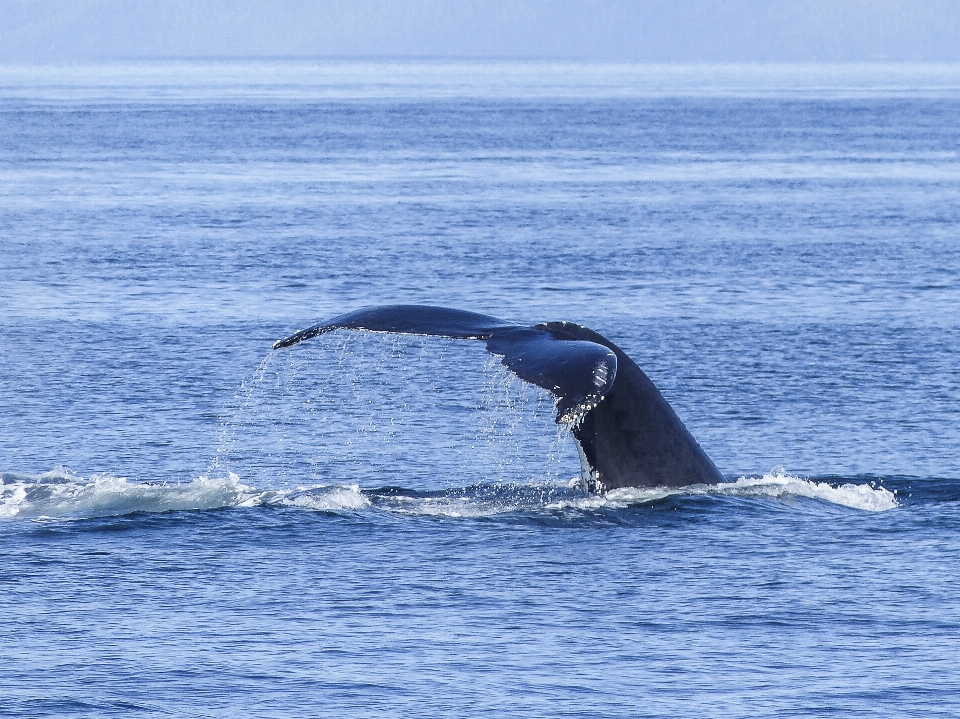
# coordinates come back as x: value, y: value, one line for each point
x: 193, y: 524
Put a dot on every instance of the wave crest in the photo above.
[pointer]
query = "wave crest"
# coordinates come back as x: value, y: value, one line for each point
x: 62, y: 494
x: 775, y: 484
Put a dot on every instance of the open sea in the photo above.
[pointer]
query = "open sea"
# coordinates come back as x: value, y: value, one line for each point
x: 194, y: 525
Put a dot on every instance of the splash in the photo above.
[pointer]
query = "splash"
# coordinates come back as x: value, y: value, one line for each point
x: 449, y: 506
x: 775, y: 484
x: 375, y: 408
x: 63, y: 495
x: 60, y: 493
x: 321, y: 498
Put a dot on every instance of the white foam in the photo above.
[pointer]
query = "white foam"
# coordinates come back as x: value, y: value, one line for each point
x: 776, y: 484
x: 448, y: 506
x: 591, y: 501
x: 325, y: 498
x: 61, y: 494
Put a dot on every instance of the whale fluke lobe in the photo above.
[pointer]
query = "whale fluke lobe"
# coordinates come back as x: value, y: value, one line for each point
x: 626, y: 432
x: 406, y: 319
x: 578, y: 374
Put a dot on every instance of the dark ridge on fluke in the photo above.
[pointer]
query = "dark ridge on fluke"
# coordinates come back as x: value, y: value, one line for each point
x: 626, y: 432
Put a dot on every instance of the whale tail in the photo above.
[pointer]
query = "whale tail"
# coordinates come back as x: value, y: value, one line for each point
x: 627, y: 434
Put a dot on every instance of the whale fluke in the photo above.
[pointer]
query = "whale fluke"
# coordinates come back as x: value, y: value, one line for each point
x: 626, y: 432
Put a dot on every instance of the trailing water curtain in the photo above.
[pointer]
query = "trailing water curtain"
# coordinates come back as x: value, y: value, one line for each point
x: 627, y: 434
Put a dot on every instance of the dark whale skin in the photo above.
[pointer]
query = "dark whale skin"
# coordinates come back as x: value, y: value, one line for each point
x: 634, y: 438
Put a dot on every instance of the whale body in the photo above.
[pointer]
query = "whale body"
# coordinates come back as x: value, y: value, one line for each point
x: 627, y: 434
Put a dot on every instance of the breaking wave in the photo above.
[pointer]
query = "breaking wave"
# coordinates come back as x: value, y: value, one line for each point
x: 60, y: 494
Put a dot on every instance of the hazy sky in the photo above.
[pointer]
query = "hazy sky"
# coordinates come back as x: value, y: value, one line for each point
x: 598, y: 30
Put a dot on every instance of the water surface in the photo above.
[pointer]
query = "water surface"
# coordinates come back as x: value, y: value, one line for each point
x: 192, y: 525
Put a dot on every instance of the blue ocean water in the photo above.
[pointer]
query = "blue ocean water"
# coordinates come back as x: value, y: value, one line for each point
x: 194, y: 525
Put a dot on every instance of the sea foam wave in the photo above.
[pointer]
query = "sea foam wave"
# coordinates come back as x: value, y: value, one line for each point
x: 776, y: 484
x: 63, y: 495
